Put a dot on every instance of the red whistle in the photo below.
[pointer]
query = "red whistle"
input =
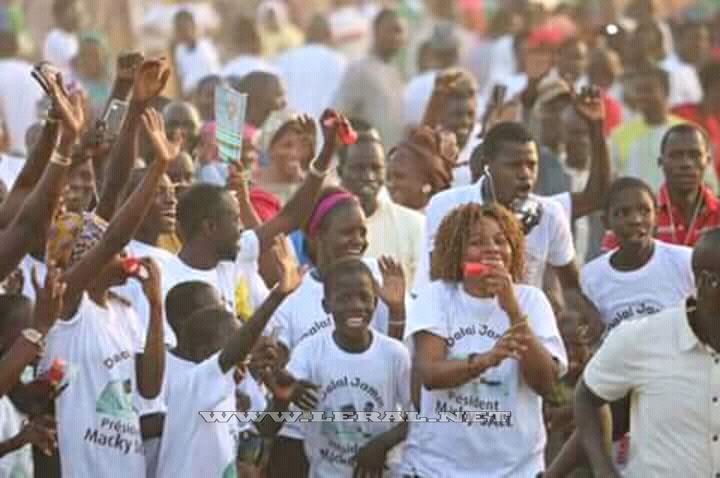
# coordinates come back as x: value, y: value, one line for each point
x: 56, y: 372
x: 346, y: 132
x: 475, y: 269
x: 132, y: 267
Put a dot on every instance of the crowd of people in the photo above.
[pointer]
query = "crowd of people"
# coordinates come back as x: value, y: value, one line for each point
x: 507, y: 213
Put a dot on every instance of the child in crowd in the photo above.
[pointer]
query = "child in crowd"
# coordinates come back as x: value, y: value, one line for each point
x: 356, y: 369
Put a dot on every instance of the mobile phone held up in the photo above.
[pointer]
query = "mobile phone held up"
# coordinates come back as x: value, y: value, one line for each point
x: 475, y: 269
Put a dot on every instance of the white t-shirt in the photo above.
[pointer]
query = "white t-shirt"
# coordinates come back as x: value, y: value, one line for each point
x: 238, y: 283
x: 550, y: 241
x: 60, y: 48
x: 472, y: 325
x: 301, y: 316
x: 375, y: 380
x: 132, y: 291
x: 244, y: 64
x: 26, y: 267
x: 192, y: 447
x: 20, y: 95
x: 18, y: 464
x: 308, y: 91
x: 685, y: 84
x: 98, y: 427
x: 194, y: 65
x: 665, y: 281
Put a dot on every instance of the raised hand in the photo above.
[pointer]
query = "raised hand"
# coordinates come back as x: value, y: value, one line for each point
x: 392, y: 291
x: 332, y: 123
x: 589, y: 104
x: 13, y: 283
x: 67, y: 107
x: 290, y: 277
x: 128, y: 64
x: 154, y: 125
x: 49, y: 298
x: 150, y: 79
x: 150, y: 282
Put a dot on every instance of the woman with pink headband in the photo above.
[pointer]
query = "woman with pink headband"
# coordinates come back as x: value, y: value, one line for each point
x: 336, y: 230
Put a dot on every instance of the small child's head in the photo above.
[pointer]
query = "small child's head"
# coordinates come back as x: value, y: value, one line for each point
x: 349, y: 289
x: 206, y: 332
x: 576, y: 342
x: 630, y: 210
x: 185, y: 28
x: 16, y: 313
x: 185, y: 299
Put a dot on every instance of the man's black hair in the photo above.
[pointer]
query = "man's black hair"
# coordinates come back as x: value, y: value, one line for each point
x: 683, y: 128
x: 651, y: 70
x: 623, y: 183
x: 200, y: 202
x: 504, y: 132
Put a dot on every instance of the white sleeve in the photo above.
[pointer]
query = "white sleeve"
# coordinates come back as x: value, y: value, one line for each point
x: 282, y: 323
x: 300, y: 365
x: 562, y: 250
x: 565, y: 201
x: 610, y: 374
x: 248, y: 247
x: 686, y: 276
x: 426, y: 312
x: 210, y: 386
x: 403, y: 369
x: 544, y: 325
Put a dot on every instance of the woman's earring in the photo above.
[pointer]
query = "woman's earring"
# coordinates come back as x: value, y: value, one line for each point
x: 426, y: 189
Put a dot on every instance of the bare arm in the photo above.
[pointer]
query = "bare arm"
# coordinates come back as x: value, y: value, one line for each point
x: 243, y: 341
x: 150, y: 79
x: 589, y: 105
x: 436, y: 371
x: 150, y: 365
x: 123, y: 226
x: 300, y: 206
x: 589, y: 419
x: 31, y: 172
x: 569, y: 278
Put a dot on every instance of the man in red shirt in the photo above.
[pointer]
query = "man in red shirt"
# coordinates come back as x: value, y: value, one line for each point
x: 707, y: 113
x: 686, y: 206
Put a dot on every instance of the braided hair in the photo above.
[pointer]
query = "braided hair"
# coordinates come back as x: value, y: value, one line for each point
x: 453, y: 235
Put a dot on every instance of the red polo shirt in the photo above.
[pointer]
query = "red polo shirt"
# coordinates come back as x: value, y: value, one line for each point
x: 668, y: 215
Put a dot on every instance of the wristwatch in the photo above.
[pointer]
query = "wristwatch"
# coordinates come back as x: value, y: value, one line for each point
x: 34, y: 337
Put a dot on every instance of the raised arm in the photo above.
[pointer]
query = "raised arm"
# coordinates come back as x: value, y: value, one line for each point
x: 150, y: 365
x: 33, y: 219
x: 48, y: 305
x: 589, y: 105
x: 293, y: 215
x: 243, y: 341
x: 150, y: 79
x: 128, y: 219
x: 31, y: 172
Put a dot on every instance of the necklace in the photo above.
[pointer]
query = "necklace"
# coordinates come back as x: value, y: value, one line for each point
x: 698, y: 205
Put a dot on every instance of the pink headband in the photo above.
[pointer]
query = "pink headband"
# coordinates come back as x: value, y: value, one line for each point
x: 325, y: 206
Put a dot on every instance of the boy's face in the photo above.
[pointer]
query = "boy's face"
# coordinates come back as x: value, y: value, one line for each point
x: 185, y: 30
x: 351, y: 301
